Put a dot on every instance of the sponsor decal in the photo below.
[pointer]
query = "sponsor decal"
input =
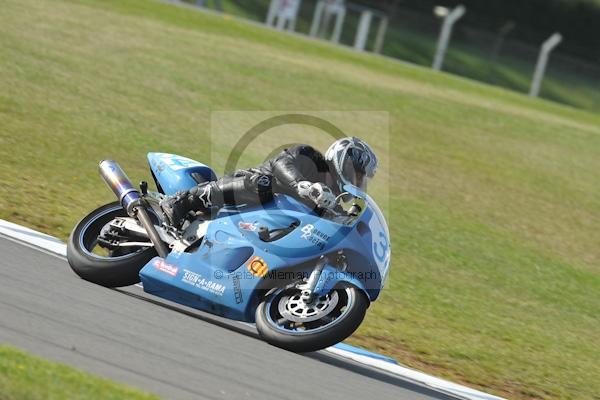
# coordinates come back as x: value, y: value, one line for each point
x: 237, y: 289
x: 247, y: 226
x: 315, y: 236
x: 177, y: 163
x: 257, y: 266
x: 196, y: 280
x: 161, y: 265
x: 307, y: 231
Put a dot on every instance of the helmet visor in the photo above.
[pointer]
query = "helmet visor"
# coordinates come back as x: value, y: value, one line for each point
x: 355, y: 174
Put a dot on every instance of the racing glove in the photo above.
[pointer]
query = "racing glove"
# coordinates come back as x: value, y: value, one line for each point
x: 318, y: 193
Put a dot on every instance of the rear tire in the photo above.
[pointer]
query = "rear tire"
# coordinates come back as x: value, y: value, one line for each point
x: 112, y: 270
x: 342, y: 320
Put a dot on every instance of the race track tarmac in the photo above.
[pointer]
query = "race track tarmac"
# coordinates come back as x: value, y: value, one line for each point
x: 173, y: 351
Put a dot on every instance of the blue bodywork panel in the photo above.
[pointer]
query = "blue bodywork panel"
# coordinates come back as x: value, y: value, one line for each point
x: 233, y: 266
x: 174, y: 173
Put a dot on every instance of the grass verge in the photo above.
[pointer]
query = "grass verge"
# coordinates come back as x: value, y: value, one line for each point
x: 23, y: 376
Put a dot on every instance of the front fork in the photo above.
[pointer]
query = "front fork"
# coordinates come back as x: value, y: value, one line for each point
x: 309, y: 288
x: 321, y: 277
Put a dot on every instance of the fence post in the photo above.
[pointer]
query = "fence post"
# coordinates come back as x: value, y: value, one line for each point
x: 502, y: 33
x: 339, y: 23
x: 280, y: 24
x: 363, y: 30
x: 540, y: 67
x: 282, y: 13
x: 271, y: 14
x: 316, y: 22
x: 383, y: 24
x: 449, y: 21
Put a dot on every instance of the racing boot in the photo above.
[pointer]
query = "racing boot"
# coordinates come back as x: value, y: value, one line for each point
x: 175, y: 208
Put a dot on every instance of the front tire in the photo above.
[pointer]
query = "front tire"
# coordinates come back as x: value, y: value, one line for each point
x: 283, y: 321
x: 111, y: 270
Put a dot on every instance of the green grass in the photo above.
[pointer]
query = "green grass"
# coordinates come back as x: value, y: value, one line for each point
x: 495, y: 197
x: 25, y: 377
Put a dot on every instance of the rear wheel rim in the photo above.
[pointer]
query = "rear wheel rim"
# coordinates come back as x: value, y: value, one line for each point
x: 88, y: 237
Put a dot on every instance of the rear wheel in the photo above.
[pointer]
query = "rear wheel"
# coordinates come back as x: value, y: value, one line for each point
x: 285, y: 320
x: 106, y: 265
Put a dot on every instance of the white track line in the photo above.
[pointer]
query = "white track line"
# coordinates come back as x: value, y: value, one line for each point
x: 53, y: 246
x: 32, y: 237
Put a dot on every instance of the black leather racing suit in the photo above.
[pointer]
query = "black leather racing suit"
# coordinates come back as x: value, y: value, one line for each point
x: 257, y: 185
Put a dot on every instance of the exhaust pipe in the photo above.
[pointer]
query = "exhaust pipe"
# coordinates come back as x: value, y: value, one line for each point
x: 131, y: 200
x: 119, y: 183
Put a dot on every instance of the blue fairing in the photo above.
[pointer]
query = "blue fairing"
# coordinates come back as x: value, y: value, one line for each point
x: 174, y: 173
x: 221, y: 276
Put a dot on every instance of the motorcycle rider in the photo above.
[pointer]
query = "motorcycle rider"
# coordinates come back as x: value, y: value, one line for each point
x: 300, y: 171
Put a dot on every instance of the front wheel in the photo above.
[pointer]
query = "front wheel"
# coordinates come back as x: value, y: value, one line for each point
x: 285, y: 320
x: 107, y: 267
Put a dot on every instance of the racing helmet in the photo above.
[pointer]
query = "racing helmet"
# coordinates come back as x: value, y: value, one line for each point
x: 353, y: 161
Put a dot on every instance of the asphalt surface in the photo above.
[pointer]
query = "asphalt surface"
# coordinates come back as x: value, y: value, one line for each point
x: 173, y: 351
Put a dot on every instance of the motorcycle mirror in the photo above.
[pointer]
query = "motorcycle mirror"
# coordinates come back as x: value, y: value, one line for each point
x: 354, y: 191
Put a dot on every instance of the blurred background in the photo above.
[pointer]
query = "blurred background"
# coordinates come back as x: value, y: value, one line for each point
x: 495, y: 41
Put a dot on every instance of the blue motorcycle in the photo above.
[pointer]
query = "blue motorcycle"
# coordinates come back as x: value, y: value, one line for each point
x: 305, y: 277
